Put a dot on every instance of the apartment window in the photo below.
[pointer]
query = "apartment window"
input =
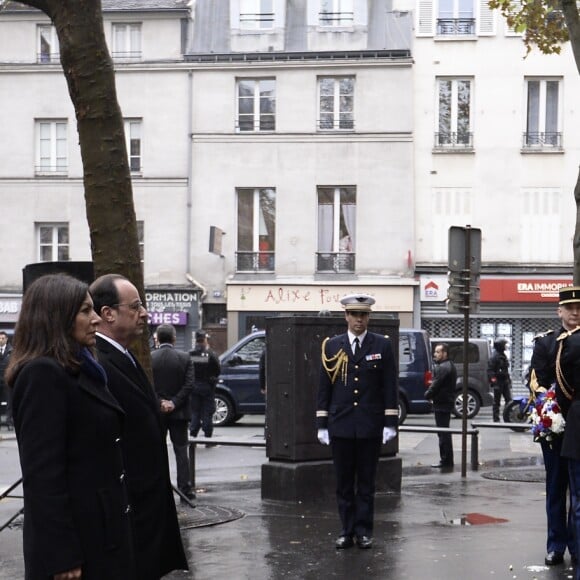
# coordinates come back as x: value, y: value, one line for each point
x: 256, y: 14
x: 256, y: 104
x: 336, y: 229
x: 449, y: 206
x: 51, y: 156
x: 47, y: 50
x: 543, y: 114
x: 141, y: 239
x: 126, y: 41
x: 540, y: 212
x: 256, y: 230
x: 456, y: 18
x: 454, y: 98
x: 336, y: 97
x: 133, y: 139
x: 53, y: 242
x: 336, y: 13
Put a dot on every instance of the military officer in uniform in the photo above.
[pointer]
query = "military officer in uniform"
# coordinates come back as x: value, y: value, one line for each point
x: 542, y: 375
x: 568, y: 391
x: 356, y: 412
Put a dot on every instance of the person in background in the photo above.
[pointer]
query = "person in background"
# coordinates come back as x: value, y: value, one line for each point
x: 357, y: 411
x: 442, y: 394
x: 173, y: 381
x: 207, y: 370
x: 158, y: 547
x: 77, y: 516
x: 5, y: 351
x: 499, y: 376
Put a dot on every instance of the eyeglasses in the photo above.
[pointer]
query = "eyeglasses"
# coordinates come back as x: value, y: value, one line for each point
x: 136, y: 306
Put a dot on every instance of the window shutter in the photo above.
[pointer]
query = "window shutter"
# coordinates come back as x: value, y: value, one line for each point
x: 509, y: 31
x: 425, y: 20
x: 486, y: 20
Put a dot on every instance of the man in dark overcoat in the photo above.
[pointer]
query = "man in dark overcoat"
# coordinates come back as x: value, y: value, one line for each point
x: 158, y: 547
x: 173, y: 381
x: 356, y: 412
x: 442, y: 394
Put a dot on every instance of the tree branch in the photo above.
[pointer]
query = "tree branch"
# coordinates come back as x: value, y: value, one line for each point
x: 40, y: 4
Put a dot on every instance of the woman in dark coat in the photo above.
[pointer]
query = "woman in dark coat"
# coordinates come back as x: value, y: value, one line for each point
x: 68, y: 426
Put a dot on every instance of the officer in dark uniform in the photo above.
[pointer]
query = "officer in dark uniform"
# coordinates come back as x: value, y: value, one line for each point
x: 356, y: 412
x: 568, y: 391
x: 207, y: 369
x: 542, y: 377
x: 499, y: 376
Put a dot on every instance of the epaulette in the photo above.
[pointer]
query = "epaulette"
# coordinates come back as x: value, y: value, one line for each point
x: 568, y: 333
x: 543, y: 334
x: 386, y: 336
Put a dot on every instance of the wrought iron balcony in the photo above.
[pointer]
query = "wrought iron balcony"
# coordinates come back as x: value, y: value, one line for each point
x: 335, y: 261
x: 460, y: 140
x: 455, y: 26
x: 336, y: 18
x: 255, y: 261
x: 549, y: 140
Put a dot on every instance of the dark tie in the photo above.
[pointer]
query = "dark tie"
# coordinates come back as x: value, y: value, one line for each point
x: 356, y: 347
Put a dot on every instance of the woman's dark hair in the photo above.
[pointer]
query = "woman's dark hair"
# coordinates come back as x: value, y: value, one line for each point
x: 46, y: 321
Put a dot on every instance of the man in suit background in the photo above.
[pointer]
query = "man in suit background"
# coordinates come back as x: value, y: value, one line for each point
x: 5, y: 394
x: 173, y: 381
x: 357, y: 411
x: 158, y: 547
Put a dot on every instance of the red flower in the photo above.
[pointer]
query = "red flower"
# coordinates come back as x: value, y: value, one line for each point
x: 551, y: 394
x: 546, y: 422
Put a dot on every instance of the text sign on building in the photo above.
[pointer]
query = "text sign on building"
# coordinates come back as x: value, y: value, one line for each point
x: 175, y: 318
x: 175, y: 307
x: 522, y: 289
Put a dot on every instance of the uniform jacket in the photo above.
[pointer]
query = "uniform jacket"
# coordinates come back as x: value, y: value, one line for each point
x: 173, y: 379
x: 442, y: 389
x: 570, y: 368
x: 75, y: 498
x: 363, y: 400
x: 543, y: 361
x: 498, y: 368
x: 157, y: 540
x: 207, y: 370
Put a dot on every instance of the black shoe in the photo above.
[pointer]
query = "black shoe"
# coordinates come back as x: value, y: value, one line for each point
x: 364, y: 542
x: 344, y: 542
x: 574, y: 559
x: 189, y: 494
x: 441, y: 465
x: 554, y: 558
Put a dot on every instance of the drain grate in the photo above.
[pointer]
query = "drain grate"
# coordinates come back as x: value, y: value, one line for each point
x: 529, y: 475
x: 206, y: 515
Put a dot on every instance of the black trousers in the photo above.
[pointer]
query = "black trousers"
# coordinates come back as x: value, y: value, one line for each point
x: 355, y: 463
x: 178, y: 434
x: 442, y: 419
x: 202, y: 410
x: 500, y: 390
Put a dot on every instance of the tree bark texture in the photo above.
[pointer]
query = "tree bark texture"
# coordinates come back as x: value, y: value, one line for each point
x: 90, y: 76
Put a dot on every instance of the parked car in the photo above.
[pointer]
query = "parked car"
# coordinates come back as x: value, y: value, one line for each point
x: 238, y: 391
x: 479, y: 393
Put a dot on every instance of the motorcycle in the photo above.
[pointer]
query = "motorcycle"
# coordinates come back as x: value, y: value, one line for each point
x: 518, y: 410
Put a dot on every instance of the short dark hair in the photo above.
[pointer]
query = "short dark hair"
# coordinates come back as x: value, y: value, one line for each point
x: 444, y: 347
x: 104, y: 291
x: 47, y: 316
x: 166, y: 333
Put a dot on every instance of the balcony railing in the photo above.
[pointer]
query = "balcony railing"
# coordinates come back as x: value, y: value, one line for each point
x: 332, y: 123
x: 549, y: 140
x: 48, y: 170
x: 257, y: 20
x: 48, y: 58
x: 128, y: 56
x: 336, y: 18
x: 256, y: 125
x: 461, y: 140
x: 455, y: 26
x: 335, y: 261
x: 255, y: 261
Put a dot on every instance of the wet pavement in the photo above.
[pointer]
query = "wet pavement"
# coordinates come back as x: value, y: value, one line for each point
x: 490, y: 524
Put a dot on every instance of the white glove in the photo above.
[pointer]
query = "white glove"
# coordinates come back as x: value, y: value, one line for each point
x: 323, y: 436
x: 388, y: 434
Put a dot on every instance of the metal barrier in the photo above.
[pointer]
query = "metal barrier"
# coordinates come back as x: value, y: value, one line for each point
x: 6, y: 494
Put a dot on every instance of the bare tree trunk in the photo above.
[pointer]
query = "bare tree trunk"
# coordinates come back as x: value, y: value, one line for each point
x: 90, y: 77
